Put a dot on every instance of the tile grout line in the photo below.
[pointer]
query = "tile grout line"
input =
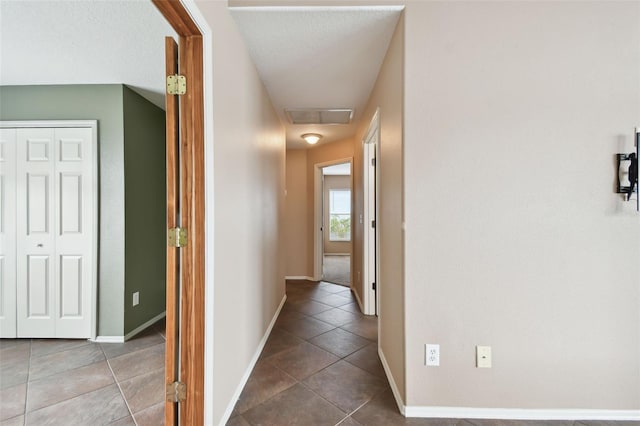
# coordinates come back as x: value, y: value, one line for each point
x: 115, y: 379
x: 28, y: 383
x: 26, y: 388
x: 300, y: 382
x: 319, y: 371
x: 345, y: 415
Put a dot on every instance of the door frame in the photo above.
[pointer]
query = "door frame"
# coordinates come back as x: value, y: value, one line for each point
x: 192, y: 201
x: 318, y: 241
x: 93, y: 125
x: 371, y: 237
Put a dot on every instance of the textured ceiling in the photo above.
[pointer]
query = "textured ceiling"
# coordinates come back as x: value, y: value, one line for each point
x: 318, y: 57
x: 308, y: 57
x: 84, y: 42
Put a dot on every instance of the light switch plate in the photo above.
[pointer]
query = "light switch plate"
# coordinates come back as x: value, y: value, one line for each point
x: 483, y: 356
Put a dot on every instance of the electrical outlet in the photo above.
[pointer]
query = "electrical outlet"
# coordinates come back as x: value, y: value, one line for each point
x: 136, y: 298
x: 432, y: 355
x: 483, y: 356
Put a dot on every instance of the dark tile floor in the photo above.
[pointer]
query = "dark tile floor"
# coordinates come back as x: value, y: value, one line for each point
x: 77, y: 382
x: 320, y: 366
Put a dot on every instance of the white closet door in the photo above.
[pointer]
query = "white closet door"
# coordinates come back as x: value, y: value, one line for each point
x: 35, y: 233
x: 54, y: 215
x: 74, y: 231
x: 7, y: 233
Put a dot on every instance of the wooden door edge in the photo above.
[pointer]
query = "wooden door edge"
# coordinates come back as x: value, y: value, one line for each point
x: 191, y: 411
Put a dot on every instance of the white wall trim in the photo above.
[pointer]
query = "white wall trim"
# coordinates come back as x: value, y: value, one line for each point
x: 252, y: 364
x: 144, y: 326
x: 520, y: 414
x: 300, y: 277
x: 392, y: 383
x: 355, y: 293
x: 108, y: 339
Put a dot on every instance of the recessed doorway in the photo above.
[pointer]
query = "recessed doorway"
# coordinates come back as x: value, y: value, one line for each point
x: 336, y: 210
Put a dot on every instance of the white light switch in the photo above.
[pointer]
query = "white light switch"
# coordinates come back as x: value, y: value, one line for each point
x: 136, y: 298
x: 483, y: 356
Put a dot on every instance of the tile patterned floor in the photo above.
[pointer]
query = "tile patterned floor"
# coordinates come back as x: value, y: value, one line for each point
x: 320, y: 366
x: 77, y: 382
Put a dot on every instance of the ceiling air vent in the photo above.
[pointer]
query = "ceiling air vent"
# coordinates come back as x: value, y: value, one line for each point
x: 319, y: 116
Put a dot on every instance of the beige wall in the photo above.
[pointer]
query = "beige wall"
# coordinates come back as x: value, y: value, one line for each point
x: 249, y: 173
x: 334, y: 182
x: 388, y: 96
x: 514, y: 237
x: 296, y: 214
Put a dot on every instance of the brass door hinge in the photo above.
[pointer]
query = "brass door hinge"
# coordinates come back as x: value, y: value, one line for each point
x: 177, y: 237
x: 176, y: 84
x: 176, y: 392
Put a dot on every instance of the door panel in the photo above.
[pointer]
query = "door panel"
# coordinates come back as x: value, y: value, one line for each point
x: 35, y: 279
x: 173, y: 191
x: 38, y: 287
x: 38, y: 212
x: 7, y: 233
x: 74, y: 231
x: 70, y: 203
x: 71, y: 287
x: 55, y: 232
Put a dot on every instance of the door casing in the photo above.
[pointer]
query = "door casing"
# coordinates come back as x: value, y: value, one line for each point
x: 371, y: 149
x: 192, y: 215
x: 318, y: 213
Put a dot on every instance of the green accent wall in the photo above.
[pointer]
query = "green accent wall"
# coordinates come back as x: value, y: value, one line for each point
x: 145, y: 209
x: 105, y: 103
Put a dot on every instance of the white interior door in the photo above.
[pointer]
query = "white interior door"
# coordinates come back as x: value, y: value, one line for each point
x: 55, y: 232
x: 371, y: 283
x: 74, y: 231
x: 7, y: 233
x: 35, y: 234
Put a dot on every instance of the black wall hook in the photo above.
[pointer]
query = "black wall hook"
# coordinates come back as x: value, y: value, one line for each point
x: 632, y: 171
x: 628, y: 164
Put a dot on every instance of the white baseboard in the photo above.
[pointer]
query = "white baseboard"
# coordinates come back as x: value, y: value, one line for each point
x: 299, y: 278
x: 108, y: 339
x: 355, y: 293
x: 122, y: 339
x: 392, y: 382
x: 144, y: 326
x: 520, y: 414
x: 502, y: 413
x: 252, y: 364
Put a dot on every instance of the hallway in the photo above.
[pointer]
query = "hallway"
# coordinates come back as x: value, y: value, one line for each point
x: 320, y: 367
